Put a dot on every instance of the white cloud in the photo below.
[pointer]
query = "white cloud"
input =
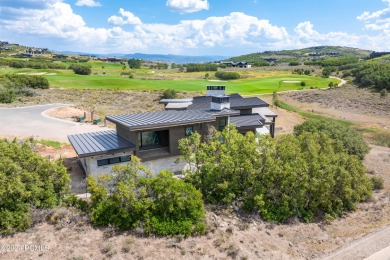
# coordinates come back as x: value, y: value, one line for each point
x: 125, y: 18
x: 379, y: 20
x: 90, y: 3
x: 187, y: 6
x: 235, y: 33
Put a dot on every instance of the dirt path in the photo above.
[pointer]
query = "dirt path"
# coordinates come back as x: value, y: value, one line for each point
x: 364, y: 247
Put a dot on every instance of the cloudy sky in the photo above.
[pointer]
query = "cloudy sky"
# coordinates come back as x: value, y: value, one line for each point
x: 195, y: 27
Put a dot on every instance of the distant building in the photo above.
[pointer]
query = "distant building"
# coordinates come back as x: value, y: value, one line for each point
x: 240, y: 64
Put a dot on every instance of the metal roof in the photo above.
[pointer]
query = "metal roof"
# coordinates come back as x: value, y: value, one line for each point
x: 247, y: 121
x: 161, y: 119
x: 96, y: 143
x: 267, y: 112
x: 177, y: 100
x: 177, y: 106
x: 236, y: 102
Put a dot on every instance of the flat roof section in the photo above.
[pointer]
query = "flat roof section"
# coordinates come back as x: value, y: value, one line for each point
x: 265, y: 111
x: 247, y: 121
x: 160, y: 119
x: 236, y: 102
x: 97, y: 143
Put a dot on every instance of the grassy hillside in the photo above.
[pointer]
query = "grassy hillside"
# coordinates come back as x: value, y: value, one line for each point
x: 303, y: 54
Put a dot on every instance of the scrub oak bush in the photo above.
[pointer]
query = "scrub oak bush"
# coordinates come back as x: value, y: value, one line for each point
x: 227, y: 75
x: 80, y: 69
x: 15, y: 85
x: 305, y: 176
x: 133, y: 198
x: 351, y: 140
x: 27, y: 179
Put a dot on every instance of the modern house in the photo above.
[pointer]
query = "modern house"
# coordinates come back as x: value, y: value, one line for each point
x: 154, y: 136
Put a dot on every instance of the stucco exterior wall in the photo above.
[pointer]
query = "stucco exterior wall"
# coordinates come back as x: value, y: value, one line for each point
x: 90, y: 163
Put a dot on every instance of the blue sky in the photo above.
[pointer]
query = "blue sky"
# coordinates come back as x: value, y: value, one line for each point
x: 195, y: 27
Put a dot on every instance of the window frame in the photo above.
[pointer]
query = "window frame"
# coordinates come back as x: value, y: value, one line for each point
x: 188, y: 133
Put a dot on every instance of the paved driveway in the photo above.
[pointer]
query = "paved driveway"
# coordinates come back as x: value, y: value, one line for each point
x: 32, y: 121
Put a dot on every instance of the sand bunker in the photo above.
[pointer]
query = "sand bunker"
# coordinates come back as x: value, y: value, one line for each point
x: 291, y: 81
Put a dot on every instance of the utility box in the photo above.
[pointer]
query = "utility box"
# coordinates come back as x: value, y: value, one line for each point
x: 97, y: 121
x: 80, y: 119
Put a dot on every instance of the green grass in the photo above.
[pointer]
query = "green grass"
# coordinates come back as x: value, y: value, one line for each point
x: 50, y: 143
x: 254, y: 82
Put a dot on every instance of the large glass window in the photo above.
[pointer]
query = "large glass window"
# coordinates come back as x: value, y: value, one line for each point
x: 188, y: 130
x: 222, y: 123
x: 114, y: 160
x: 153, y: 139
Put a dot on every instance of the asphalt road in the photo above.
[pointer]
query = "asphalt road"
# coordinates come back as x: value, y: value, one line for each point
x: 32, y: 121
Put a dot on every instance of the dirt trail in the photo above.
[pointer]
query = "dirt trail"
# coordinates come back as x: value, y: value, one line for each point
x: 363, y: 247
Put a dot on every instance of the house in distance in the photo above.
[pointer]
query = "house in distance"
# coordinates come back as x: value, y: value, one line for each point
x: 154, y: 136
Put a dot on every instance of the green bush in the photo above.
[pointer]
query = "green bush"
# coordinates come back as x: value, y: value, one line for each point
x: 305, y: 176
x: 377, y: 183
x: 162, y: 204
x: 351, y: 140
x: 227, y: 75
x: 25, y: 81
x: 27, y: 179
x: 7, y: 95
x: 80, y: 69
x: 294, y: 63
x: 169, y: 94
x: 196, y: 67
x: 384, y: 93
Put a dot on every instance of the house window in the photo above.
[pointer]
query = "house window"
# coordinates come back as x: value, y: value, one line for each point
x: 102, y: 162
x: 188, y: 130
x: 126, y: 158
x: 153, y: 139
x: 114, y: 160
x: 222, y: 123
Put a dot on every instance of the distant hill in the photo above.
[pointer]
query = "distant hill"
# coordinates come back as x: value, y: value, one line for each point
x: 166, y: 58
x: 302, y: 54
x: 171, y: 58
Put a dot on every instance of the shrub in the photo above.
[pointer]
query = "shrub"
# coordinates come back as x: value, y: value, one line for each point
x: 162, y: 204
x: 351, y: 140
x: 27, y: 179
x: 294, y: 63
x: 227, y: 75
x: 7, y: 95
x: 377, y: 183
x: 275, y: 99
x: 80, y: 69
x: 303, y: 84
x: 384, y: 93
x: 303, y: 177
x: 169, y: 94
x: 25, y: 81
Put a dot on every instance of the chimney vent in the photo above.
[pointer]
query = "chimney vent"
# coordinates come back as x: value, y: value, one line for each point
x: 220, y: 102
x: 215, y: 91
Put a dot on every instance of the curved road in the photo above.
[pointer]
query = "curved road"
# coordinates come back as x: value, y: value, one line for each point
x: 32, y: 121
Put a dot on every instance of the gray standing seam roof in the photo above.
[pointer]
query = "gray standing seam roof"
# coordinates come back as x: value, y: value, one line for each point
x: 161, y: 118
x: 247, y: 121
x: 96, y: 143
x: 236, y: 102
